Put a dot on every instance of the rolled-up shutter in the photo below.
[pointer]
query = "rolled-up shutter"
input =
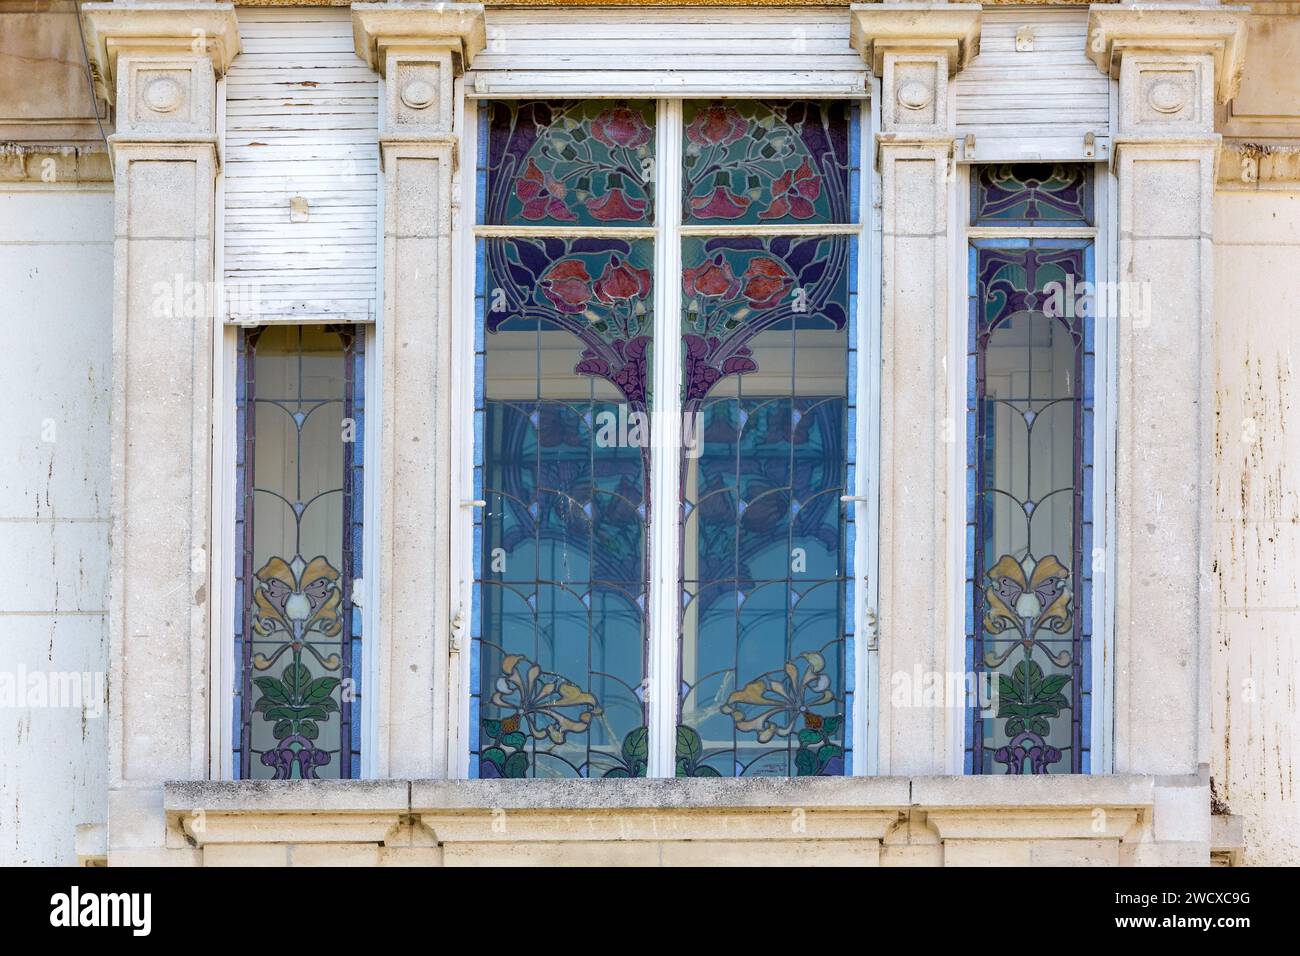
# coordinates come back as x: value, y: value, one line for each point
x: 301, y: 166
x: 648, y: 51
x: 1039, y: 102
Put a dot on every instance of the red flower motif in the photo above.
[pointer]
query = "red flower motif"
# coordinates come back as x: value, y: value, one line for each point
x: 615, y: 204
x: 567, y: 285
x: 719, y: 204
x: 766, y: 282
x: 793, y: 194
x: 541, y: 195
x: 622, y: 281
x: 712, y: 279
x: 716, y: 126
x: 620, y: 126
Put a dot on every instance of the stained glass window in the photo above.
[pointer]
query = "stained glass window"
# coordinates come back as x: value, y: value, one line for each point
x: 769, y: 369
x: 563, y: 627
x: 300, y: 415
x: 1029, y: 494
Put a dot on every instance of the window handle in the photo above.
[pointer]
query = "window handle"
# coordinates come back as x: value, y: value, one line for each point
x: 457, y: 625
x: 858, y: 499
x: 473, y: 503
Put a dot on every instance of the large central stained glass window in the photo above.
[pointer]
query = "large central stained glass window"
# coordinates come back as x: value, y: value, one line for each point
x: 666, y: 378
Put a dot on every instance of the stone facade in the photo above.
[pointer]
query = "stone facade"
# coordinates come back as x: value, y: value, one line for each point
x: 1203, y: 589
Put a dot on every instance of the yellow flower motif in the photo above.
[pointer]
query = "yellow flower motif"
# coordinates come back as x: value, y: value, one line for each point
x: 1028, y: 597
x: 771, y: 704
x: 552, y: 706
x: 294, y: 600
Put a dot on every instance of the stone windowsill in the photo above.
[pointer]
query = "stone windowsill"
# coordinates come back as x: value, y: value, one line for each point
x: 856, y: 793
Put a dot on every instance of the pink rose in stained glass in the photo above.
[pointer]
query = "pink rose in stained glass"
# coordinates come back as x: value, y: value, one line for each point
x: 716, y: 126
x: 713, y: 279
x: 766, y: 282
x: 616, y: 204
x: 720, y: 204
x: 568, y: 286
x: 620, y: 126
x: 541, y: 195
x: 620, y: 281
x: 794, y: 193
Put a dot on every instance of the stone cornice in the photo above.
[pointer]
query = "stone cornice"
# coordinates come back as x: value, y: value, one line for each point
x: 1183, y: 29
x: 379, y: 25
x: 165, y: 28
x: 953, y: 28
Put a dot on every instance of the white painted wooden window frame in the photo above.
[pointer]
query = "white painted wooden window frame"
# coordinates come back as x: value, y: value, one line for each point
x: 665, y: 429
x: 1105, y: 259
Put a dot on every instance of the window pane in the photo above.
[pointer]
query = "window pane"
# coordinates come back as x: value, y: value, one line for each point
x: 753, y: 162
x: 297, y: 643
x: 563, y: 464
x: 766, y: 551
x: 1031, y: 194
x: 558, y: 163
x: 1030, y: 410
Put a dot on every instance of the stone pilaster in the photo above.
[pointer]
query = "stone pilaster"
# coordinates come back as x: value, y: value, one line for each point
x: 915, y: 49
x: 419, y: 48
x: 161, y: 61
x: 1172, y: 62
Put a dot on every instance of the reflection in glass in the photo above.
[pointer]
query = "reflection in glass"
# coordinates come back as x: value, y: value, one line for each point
x: 298, y: 636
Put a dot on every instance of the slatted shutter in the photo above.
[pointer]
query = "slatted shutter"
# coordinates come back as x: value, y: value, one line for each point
x: 301, y: 169
x: 1036, y: 103
x: 640, y: 51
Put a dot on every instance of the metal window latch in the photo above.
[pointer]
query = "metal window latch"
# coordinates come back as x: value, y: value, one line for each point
x: 1025, y: 39
x: 457, y: 625
x: 473, y: 503
x: 968, y: 147
x: 873, y: 630
x: 854, y: 498
x: 1089, y: 144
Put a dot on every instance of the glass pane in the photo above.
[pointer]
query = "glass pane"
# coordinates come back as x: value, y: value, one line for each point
x: 1031, y: 194
x: 765, y: 548
x: 299, y: 525
x: 558, y: 163
x: 1030, y: 464
x: 753, y: 162
x: 562, y: 461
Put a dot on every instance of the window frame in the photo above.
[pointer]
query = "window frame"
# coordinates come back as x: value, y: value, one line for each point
x: 1102, y: 234
x: 662, y: 570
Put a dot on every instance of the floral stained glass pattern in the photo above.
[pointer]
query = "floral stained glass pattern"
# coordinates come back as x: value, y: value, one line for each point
x: 759, y: 162
x: 1031, y: 371
x: 768, y: 379
x: 298, y: 635
x: 562, y: 461
x: 558, y: 163
x: 1032, y: 194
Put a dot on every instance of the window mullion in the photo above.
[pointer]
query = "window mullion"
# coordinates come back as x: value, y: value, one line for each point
x: 665, y: 433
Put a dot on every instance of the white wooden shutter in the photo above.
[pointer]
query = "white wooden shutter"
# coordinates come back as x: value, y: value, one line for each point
x: 648, y: 51
x: 1035, y: 104
x: 301, y: 120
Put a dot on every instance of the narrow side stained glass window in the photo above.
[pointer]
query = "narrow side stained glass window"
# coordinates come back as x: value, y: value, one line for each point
x: 300, y: 416
x: 1031, y: 380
